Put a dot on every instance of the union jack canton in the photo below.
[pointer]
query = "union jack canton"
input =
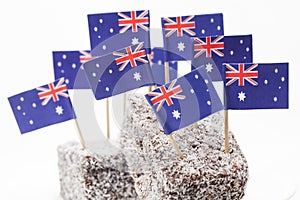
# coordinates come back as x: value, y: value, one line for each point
x: 166, y: 95
x: 52, y: 91
x: 133, y: 21
x: 131, y: 57
x: 241, y: 74
x: 208, y: 47
x: 179, y: 26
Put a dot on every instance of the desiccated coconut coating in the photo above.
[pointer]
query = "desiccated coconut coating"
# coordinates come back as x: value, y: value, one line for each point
x: 87, y: 176
x: 206, y: 172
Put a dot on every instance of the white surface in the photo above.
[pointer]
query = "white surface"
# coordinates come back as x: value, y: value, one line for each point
x: 31, y: 30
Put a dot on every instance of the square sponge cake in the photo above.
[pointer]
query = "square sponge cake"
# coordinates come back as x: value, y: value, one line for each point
x: 148, y: 167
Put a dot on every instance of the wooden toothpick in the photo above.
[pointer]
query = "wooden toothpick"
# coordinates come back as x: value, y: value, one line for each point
x: 176, y: 147
x: 167, y: 73
x: 107, y: 120
x: 124, y: 103
x: 226, y: 131
x: 195, y: 125
x: 167, y: 80
x: 150, y: 63
x: 80, y: 135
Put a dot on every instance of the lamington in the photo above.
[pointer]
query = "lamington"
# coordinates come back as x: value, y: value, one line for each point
x: 89, y: 176
x: 206, y: 172
x: 148, y: 166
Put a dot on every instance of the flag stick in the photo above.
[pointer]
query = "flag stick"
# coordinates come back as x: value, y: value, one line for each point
x: 107, y: 119
x: 195, y: 125
x: 150, y: 63
x: 167, y: 73
x: 167, y: 79
x: 176, y: 147
x: 124, y: 103
x: 226, y: 130
x: 80, y: 134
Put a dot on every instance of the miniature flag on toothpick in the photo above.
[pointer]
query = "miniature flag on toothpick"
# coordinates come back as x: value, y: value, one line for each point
x: 112, y: 31
x: 185, y: 100
x: 118, y: 72
x: 177, y: 32
x: 42, y: 106
x: 256, y: 86
x: 116, y: 30
x: 68, y: 64
x: 212, y: 52
x: 158, y: 60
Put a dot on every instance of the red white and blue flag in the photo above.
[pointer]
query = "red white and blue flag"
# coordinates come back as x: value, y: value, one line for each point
x: 119, y: 72
x: 43, y: 106
x: 68, y: 64
x: 256, y: 85
x: 177, y: 32
x: 212, y: 51
x: 112, y: 31
x: 185, y: 100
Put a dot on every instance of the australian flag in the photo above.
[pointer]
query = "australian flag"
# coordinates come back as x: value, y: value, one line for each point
x: 212, y: 52
x: 42, y: 106
x: 68, y: 64
x: 256, y: 86
x: 158, y: 68
x: 185, y: 100
x: 120, y: 71
x: 177, y: 32
x: 112, y: 31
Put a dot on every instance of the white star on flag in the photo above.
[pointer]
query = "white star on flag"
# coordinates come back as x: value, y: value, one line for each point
x: 135, y: 41
x: 181, y: 46
x: 137, y: 76
x: 209, y: 67
x: 59, y: 110
x: 242, y: 96
x: 176, y: 114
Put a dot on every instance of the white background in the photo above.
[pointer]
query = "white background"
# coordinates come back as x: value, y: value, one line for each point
x: 31, y: 30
